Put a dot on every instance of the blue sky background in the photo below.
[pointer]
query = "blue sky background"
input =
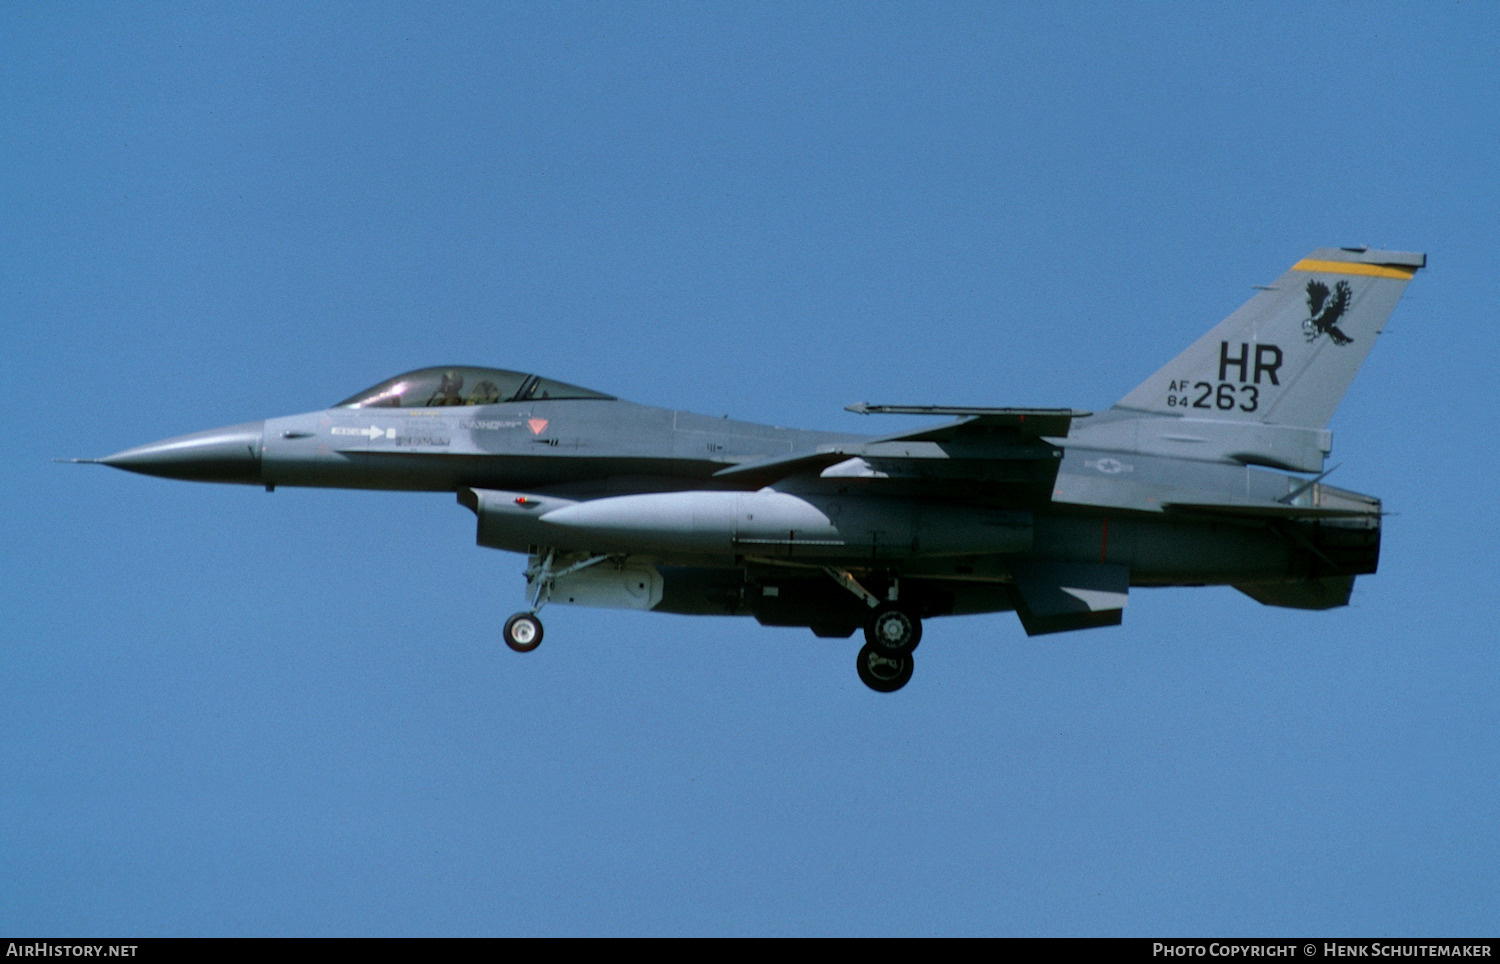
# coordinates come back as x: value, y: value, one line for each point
x: 228, y: 712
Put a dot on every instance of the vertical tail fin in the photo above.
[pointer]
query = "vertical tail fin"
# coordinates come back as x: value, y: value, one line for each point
x: 1289, y: 354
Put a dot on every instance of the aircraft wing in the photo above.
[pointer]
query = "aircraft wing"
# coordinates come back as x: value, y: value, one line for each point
x: 977, y: 422
x: 1005, y: 448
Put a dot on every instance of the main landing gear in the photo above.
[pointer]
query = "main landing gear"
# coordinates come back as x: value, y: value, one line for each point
x: 893, y: 628
x: 882, y: 671
x: 885, y: 661
x: 892, y: 631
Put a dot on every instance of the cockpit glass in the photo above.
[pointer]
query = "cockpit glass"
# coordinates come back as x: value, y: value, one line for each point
x: 432, y: 387
x: 547, y: 388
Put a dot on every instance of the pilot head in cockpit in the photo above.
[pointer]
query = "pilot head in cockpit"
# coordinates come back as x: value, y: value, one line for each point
x: 448, y: 392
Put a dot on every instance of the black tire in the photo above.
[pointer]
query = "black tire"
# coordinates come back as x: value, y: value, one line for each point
x: 883, y: 671
x: 523, y: 632
x: 893, y: 629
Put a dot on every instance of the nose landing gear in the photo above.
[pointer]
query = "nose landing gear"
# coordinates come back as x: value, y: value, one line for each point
x: 523, y: 631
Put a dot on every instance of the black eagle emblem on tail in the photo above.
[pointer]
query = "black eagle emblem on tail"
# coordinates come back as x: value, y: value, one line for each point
x: 1323, y: 314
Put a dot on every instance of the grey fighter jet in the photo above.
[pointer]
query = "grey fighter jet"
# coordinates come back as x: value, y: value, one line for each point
x: 1209, y: 473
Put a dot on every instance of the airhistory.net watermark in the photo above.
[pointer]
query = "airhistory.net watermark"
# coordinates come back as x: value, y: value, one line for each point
x: 46, y: 949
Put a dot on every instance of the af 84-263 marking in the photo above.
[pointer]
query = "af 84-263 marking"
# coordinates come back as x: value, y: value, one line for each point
x: 1224, y: 394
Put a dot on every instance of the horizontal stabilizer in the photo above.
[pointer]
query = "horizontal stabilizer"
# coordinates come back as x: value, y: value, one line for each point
x: 1329, y: 592
x: 1056, y: 597
x: 1267, y: 510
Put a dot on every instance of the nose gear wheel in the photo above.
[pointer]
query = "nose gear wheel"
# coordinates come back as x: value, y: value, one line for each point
x: 523, y: 632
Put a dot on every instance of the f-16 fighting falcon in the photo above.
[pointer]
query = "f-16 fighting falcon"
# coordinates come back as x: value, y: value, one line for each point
x: 1209, y: 473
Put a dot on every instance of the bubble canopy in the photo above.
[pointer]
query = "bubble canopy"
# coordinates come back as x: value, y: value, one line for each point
x: 454, y: 385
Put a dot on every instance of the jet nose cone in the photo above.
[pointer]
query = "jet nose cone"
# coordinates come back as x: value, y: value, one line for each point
x: 230, y: 454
